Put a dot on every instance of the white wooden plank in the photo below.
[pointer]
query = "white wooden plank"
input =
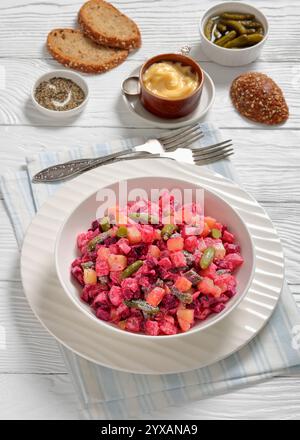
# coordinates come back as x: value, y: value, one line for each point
x: 37, y: 397
x: 27, y: 24
x: 106, y: 107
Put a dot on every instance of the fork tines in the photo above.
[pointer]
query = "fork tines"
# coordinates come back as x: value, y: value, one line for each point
x: 182, y: 138
x: 212, y: 153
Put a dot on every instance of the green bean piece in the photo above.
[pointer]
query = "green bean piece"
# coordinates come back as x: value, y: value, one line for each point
x: 216, y: 233
x: 225, y: 39
x: 105, y: 224
x: 142, y: 305
x: 208, y: 29
x: 207, y: 257
x: 167, y: 231
x: 237, y: 16
x: 98, y: 240
x: 185, y: 298
x: 244, y: 41
x: 222, y: 28
x: 132, y: 269
x: 235, y: 25
x: 122, y: 231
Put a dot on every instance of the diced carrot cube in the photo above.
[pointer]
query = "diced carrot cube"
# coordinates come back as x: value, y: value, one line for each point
x: 175, y: 244
x: 210, y: 221
x: 183, y: 284
x: 155, y: 296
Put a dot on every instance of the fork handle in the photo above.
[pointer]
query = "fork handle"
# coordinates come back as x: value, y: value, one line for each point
x: 71, y: 168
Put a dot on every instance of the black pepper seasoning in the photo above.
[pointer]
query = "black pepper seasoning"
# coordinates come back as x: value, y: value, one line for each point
x: 59, y: 94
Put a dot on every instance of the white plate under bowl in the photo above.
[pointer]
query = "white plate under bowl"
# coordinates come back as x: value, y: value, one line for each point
x: 206, y: 101
x: 79, y: 333
x: 80, y: 220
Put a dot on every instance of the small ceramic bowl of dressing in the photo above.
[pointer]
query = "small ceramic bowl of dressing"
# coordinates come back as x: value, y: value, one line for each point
x: 170, y: 85
x: 60, y: 94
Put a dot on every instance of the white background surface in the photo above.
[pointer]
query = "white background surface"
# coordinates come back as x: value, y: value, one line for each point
x: 33, y: 379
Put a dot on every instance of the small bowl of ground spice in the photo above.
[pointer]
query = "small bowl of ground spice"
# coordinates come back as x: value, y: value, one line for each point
x: 60, y: 94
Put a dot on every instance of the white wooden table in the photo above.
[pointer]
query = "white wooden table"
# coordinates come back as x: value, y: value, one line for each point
x: 34, y: 382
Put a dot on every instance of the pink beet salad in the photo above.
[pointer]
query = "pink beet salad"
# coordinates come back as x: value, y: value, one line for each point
x: 153, y: 278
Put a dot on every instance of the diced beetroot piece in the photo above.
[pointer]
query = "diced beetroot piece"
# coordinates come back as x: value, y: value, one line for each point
x: 218, y: 226
x: 116, y: 276
x: 130, y: 283
x: 225, y: 281
x: 210, y: 241
x: 227, y: 236
x: 202, y: 315
x: 123, y: 311
x: 165, y: 263
x: 103, y: 253
x: 103, y: 313
x: 232, y: 248
x: 233, y: 261
x: 169, y: 302
x: 123, y: 245
x: 144, y: 281
x: 178, y: 259
x: 113, y: 249
x: 167, y: 328
x: 115, y: 295
x: 114, y: 317
x: 196, y: 295
x: 154, y: 251
x: 218, y: 308
x: 77, y: 273
x: 183, y: 284
x: 134, y: 235
x: 84, y: 238
x: 155, y: 296
x: 100, y: 299
x: 185, y: 318
x: 175, y: 244
x: 190, y: 244
x: 117, y: 262
x: 133, y: 324
x: 102, y: 267
x: 147, y: 232
x: 223, y: 298
x: 210, y: 272
x: 151, y: 327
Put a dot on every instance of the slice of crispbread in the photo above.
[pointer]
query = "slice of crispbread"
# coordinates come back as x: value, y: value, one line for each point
x: 72, y: 48
x: 106, y: 25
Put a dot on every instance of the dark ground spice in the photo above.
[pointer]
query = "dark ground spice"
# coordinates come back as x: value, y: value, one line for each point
x: 59, y: 94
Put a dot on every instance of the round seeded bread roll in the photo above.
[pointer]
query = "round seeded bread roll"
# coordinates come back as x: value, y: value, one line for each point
x: 106, y: 25
x: 72, y: 48
x: 257, y: 97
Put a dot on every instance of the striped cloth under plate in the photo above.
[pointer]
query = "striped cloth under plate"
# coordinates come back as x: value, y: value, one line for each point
x: 106, y: 393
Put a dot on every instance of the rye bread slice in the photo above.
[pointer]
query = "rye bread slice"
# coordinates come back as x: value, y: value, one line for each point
x: 106, y: 25
x: 72, y: 48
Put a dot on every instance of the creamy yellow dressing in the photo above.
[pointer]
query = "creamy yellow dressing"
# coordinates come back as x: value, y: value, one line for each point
x: 170, y: 80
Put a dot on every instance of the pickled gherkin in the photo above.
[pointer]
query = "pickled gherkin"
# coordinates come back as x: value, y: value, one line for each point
x: 132, y: 269
x: 227, y: 29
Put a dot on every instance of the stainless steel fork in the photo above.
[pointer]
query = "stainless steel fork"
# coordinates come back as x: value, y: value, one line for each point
x: 183, y: 138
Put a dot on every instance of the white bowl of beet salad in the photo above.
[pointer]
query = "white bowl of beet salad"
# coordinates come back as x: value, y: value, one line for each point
x: 132, y: 271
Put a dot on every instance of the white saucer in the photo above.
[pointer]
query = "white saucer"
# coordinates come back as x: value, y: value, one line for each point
x: 79, y: 333
x: 206, y: 101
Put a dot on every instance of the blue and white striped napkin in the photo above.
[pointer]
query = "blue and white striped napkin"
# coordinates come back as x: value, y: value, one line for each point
x: 111, y: 394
